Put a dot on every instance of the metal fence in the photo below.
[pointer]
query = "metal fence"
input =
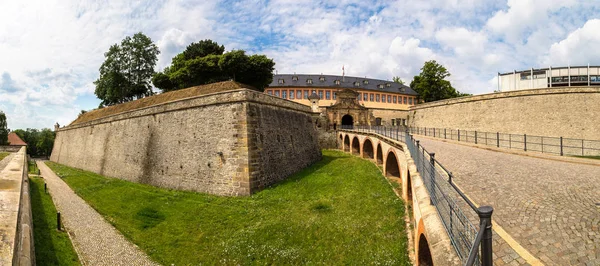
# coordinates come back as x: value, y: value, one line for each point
x: 554, y: 145
x: 456, y: 211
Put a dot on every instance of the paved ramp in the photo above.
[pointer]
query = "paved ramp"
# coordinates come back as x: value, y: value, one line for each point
x: 550, y: 208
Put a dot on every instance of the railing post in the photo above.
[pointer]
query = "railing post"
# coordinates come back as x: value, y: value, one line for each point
x: 444, y: 133
x: 425, y: 131
x: 525, y: 142
x: 434, y: 132
x: 459, y: 135
x: 582, y: 152
x: 475, y: 136
x: 498, y: 139
x: 561, y: 147
x: 58, y: 227
x: 485, y: 220
x: 432, y: 176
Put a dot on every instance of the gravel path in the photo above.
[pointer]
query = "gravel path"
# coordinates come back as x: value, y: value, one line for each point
x: 549, y: 207
x: 96, y: 241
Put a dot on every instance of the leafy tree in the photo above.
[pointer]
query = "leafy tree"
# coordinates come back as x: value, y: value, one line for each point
x: 45, y: 142
x: 126, y: 72
x: 204, y: 62
x: 398, y: 80
x: 3, y: 129
x: 431, y: 83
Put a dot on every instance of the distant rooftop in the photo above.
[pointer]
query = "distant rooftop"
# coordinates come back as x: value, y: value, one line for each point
x: 159, y: 99
x: 332, y: 81
x: 15, y: 140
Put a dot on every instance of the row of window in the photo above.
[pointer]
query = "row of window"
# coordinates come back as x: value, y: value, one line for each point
x: 337, y: 82
x: 575, y: 79
x: 329, y: 95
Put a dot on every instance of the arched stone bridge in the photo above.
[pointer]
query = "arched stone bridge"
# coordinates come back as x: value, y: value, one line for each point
x: 546, y: 208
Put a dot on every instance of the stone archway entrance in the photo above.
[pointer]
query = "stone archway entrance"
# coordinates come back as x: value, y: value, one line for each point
x: 347, y: 120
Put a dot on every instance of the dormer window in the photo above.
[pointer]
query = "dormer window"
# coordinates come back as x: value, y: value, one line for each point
x: 366, y: 82
x: 380, y: 86
x: 309, y: 81
x: 402, y: 89
x: 295, y: 78
x: 321, y: 79
x: 337, y: 82
x: 280, y: 81
x: 388, y: 85
x: 356, y: 84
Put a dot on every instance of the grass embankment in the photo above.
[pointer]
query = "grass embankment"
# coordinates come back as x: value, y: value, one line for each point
x: 3, y: 155
x: 52, y: 247
x: 338, y: 211
x: 588, y: 157
x: 32, y: 167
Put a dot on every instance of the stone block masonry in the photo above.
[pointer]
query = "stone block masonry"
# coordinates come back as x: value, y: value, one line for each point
x: 232, y: 142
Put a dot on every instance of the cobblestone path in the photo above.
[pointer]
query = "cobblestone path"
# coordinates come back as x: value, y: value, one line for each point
x: 96, y: 241
x: 550, y: 208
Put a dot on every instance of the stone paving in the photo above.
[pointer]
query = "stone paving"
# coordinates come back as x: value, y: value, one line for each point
x: 550, y: 208
x: 96, y: 241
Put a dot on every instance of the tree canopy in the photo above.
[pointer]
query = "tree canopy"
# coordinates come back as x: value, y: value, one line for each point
x: 39, y: 142
x: 3, y: 129
x: 127, y: 70
x: 205, y: 62
x: 398, y: 80
x: 431, y: 83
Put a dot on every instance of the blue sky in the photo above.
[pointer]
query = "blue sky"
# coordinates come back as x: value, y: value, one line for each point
x: 50, y: 51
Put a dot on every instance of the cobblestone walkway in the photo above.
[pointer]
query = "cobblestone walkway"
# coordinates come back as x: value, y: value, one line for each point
x: 549, y: 207
x: 96, y: 241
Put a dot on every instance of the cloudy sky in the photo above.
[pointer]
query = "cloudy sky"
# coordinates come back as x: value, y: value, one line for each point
x: 50, y: 50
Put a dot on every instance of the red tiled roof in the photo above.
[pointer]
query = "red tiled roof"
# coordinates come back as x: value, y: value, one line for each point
x: 14, y: 140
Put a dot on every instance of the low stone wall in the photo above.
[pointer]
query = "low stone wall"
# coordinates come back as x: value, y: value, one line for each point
x: 17, y: 246
x: 428, y: 228
x: 226, y: 143
x: 571, y: 112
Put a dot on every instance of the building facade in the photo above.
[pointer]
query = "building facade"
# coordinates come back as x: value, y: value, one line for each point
x: 570, y: 76
x: 386, y: 102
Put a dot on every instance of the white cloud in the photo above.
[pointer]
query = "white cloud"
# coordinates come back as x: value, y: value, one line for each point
x: 579, y: 48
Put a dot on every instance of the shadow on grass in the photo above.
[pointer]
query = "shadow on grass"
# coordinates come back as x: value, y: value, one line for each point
x: 45, y: 253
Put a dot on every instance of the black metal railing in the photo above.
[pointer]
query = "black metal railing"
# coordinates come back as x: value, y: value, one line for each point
x: 553, y: 145
x: 449, y: 201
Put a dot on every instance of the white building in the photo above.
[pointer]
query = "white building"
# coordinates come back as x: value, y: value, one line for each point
x: 549, y: 77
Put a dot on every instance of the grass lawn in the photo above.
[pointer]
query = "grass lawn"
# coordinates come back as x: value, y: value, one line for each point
x: 3, y: 155
x: 341, y: 210
x: 52, y: 247
x: 33, y: 169
x: 588, y: 157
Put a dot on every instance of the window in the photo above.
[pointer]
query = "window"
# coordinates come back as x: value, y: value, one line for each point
x: 284, y: 94
x: 280, y: 81
x: 298, y: 94
x: 305, y: 94
x: 356, y: 84
x: 380, y: 86
x: 358, y: 97
x: 295, y: 78
x: 389, y: 98
x: 372, y: 97
x: 270, y: 92
x: 337, y: 82
x: 592, y: 78
x: 365, y: 82
x: 291, y: 95
x: 334, y: 95
x: 328, y: 95
x: 309, y: 81
x: 395, y: 99
x: 525, y: 75
x: 405, y: 101
x: 277, y: 93
x: 321, y: 79
x: 556, y: 79
x: 393, y: 122
x: 377, y: 97
x: 365, y: 97
x: 320, y: 94
x: 388, y: 85
x: 410, y: 101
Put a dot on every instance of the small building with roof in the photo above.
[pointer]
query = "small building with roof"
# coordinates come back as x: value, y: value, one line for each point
x: 550, y: 77
x: 387, y: 102
x: 14, y: 143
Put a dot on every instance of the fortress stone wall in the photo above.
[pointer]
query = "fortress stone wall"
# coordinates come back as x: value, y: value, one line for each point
x: 556, y: 112
x: 226, y: 143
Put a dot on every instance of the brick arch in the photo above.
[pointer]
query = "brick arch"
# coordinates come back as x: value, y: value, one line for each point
x: 408, y: 187
x: 340, y: 142
x: 368, y: 149
x: 424, y: 257
x: 355, y: 145
x: 379, y: 154
x: 392, y: 166
x: 346, y: 143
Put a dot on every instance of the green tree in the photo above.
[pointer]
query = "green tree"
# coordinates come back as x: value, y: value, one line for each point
x: 204, y: 62
x: 431, y: 83
x: 127, y: 70
x: 398, y: 80
x: 3, y: 129
x: 45, y: 142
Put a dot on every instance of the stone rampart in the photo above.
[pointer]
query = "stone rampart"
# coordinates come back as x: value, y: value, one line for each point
x: 8, y: 148
x: 555, y: 112
x: 225, y: 143
x: 16, y: 247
